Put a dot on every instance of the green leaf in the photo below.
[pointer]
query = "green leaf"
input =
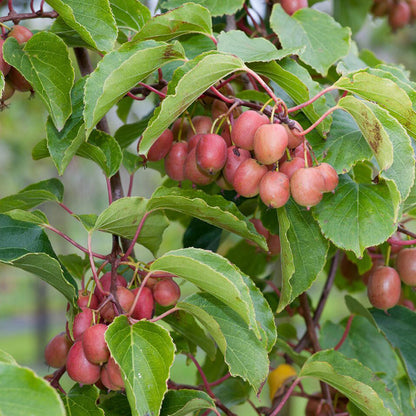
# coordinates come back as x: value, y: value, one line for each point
x: 182, y: 402
x: 35, y: 217
x: 130, y: 15
x: 345, y: 144
x: 410, y: 202
x: 189, y: 18
x: 213, y: 274
x: 53, y: 82
x: 184, y: 324
x: 82, y: 401
x: 294, y: 85
x: 128, y: 133
x: 23, y: 393
x: 243, y: 352
x: 63, y: 144
x: 131, y: 162
x: 300, y: 267
x: 352, y: 13
x: 216, y: 7
x: 297, y: 358
x: 31, y: 250
x: 123, y: 216
x: 398, y: 327
x: 236, y: 42
x: 347, y: 217
x: 385, y: 93
x: 311, y: 27
x: 354, y: 380
x: 104, y: 150
x: 34, y: 195
x: 121, y: 70
x: 75, y: 264
x: 115, y: 404
x: 213, y: 209
x: 357, y: 308
x: 145, y: 352
x: 7, y: 358
x: 205, y: 71
x: 248, y: 258
x: 372, y: 129
x: 70, y: 36
x: 232, y: 392
x: 92, y: 19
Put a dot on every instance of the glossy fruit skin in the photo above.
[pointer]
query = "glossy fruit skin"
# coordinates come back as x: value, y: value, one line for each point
x: 274, y: 189
x: 330, y: 176
x: 193, y: 141
x: 226, y: 134
x: 175, y: 161
x: 202, y: 125
x: 306, y: 187
x: 180, y: 129
x: 245, y: 127
x: 57, y: 350
x: 289, y: 167
x: 270, y: 142
x: 21, y: 33
x: 194, y: 173
x: 293, y: 139
x: 299, y: 151
x: 247, y: 178
x: 94, y: 345
x: 291, y: 6
x: 235, y: 157
x: 160, y: 147
x: 144, y: 305
x: 79, y: 368
x: 384, y: 288
x: 86, y: 300
x: 166, y: 292
x: 114, y: 373
x: 406, y: 265
x: 105, y: 379
x: 125, y: 299
x: 82, y: 321
x: 211, y: 153
x: 399, y: 15
x: 105, y: 281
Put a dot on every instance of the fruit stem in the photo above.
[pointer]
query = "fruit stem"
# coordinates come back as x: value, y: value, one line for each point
x: 345, y: 334
x: 396, y: 242
x: 313, y: 99
x: 129, y: 94
x: 93, y: 269
x: 150, y: 88
x: 387, y: 261
x: 220, y: 380
x: 164, y: 314
x: 131, y: 179
x: 202, y: 374
x: 221, y: 96
x: 285, y: 397
x: 109, y: 191
x: 142, y: 285
x: 65, y: 208
x: 317, y: 122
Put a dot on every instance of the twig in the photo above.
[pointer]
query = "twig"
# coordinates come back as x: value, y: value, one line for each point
x: 345, y: 334
x: 285, y: 397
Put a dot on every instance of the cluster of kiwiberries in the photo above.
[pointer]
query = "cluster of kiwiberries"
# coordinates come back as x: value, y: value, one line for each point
x: 253, y: 156
x: 384, y: 282
x: 14, y: 79
x: 399, y: 12
x: 85, y: 352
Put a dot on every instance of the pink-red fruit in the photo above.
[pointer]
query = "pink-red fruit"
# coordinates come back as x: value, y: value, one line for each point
x: 125, y: 299
x: 306, y: 186
x: 106, y: 284
x: 193, y: 172
x: 384, y: 288
x: 79, y: 368
x: 235, y: 157
x: 330, y: 176
x: 94, y: 344
x: 57, y: 350
x: 291, y: 6
x: 166, y: 292
x: 82, y: 321
x: 175, y: 161
x: 406, y: 265
x: 20, y: 33
x: 247, y: 178
x: 289, y: 167
x: 114, y: 373
x: 144, y: 305
x: 274, y: 189
x: 399, y: 15
x: 245, y: 127
x: 211, y: 153
x: 160, y: 147
x: 294, y: 139
x: 270, y: 142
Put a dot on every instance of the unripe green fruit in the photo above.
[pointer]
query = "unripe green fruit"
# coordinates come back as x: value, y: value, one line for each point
x: 270, y: 142
x: 8, y: 91
x: 384, y: 288
x: 79, y: 368
x: 94, y: 344
x: 406, y: 265
x: 245, y: 127
x: 247, y: 178
x: 57, y: 350
x: 274, y: 189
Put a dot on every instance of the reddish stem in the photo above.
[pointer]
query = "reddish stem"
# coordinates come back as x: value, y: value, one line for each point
x: 320, y: 119
x: 136, y: 298
x: 313, y: 99
x: 220, y: 380
x: 150, y: 88
x: 202, y: 374
x: 285, y: 397
x: 25, y: 16
x: 252, y: 18
x: 32, y: 7
x: 259, y: 79
x: 161, y: 316
x: 93, y: 269
x: 345, y: 334
x: 109, y: 191
x: 129, y: 94
x: 222, y: 96
x: 41, y: 6
x: 274, y: 287
x: 130, y: 184
x: 226, y: 81
x: 10, y: 6
x: 396, y: 242
x: 65, y: 208
x: 253, y: 82
x: 214, y: 40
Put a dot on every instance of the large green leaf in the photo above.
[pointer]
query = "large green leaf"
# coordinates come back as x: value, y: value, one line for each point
x: 26, y: 246
x: 123, y: 216
x: 205, y: 71
x: 189, y: 18
x: 34, y: 195
x: 63, y: 144
x: 295, y: 87
x: 92, y: 19
x: 183, y: 402
x: 236, y: 42
x: 70, y: 36
x: 213, y: 274
x: 213, y: 209
x: 216, y: 7
x: 306, y: 30
x: 398, y: 327
x: 128, y: 133
x: 104, y: 150
x: 352, y: 13
x: 44, y: 61
x: 121, y: 70
x: 385, y: 93
x: 345, y: 144
x: 145, y: 352
x: 354, y: 380
x: 372, y: 129
x: 304, y: 251
x: 243, y: 352
x: 130, y: 15
x: 82, y: 401
x: 23, y: 393
x: 347, y: 217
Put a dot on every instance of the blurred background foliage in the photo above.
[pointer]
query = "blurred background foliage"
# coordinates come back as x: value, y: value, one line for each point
x: 32, y: 312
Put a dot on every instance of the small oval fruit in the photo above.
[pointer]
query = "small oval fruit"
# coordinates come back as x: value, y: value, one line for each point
x: 294, y: 139
x: 82, y: 321
x: 57, y: 350
x: 330, y: 176
x: 79, y: 368
x: 384, y: 288
x: 245, y: 127
x: 180, y: 129
x: 21, y: 33
x: 144, y: 305
x: 289, y: 167
x: 202, y: 125
x: 211, y: 153
x: 166, y: 292
x: 161, y: 147
x: 274, y: 189
x: 292, y: 6
x: 125, y: 299
x: 94, y: 344
x: 192, y: 171
x: 306, y: 187
x: 105, y: 281
x: 270, y: 142
x: 399, y: 15
x: 175, y: 161
x: 235, y: 157
x: 87, y: 300
x: 247, y: 178
x: 406, y: 265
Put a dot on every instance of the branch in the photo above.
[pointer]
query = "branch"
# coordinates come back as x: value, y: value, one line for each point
x: 16, y: 17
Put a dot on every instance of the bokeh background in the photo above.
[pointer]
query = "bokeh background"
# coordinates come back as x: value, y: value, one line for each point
x: 31, y: 312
